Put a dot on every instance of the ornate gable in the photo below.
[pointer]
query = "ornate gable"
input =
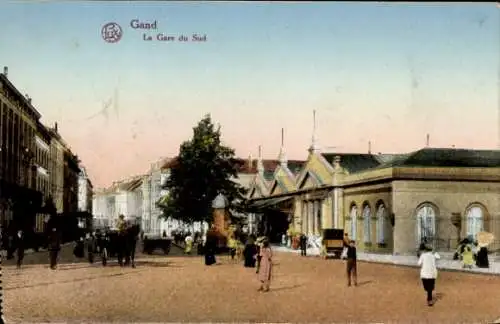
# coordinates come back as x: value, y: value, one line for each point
x: 310, y: 181
x: 317, y: 164
x: 277, y: 188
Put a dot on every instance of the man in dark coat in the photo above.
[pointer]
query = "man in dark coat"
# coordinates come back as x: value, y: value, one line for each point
x: 19, y: 246
x: 250, y: 253
x: 482, y: 258
x: 210, y: 247
x: 54, y: 247
x: 303, y: 244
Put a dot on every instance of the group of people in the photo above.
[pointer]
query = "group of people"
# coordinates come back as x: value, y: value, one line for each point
x: 470, y: 253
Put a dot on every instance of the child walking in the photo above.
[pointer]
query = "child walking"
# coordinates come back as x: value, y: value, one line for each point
x: 428, y: 272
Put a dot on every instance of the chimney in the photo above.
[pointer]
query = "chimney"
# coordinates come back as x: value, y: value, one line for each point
x: 427, y: 140
x: 28, y: 98
x: 6, y: 71
x: 336, y: 162
x: 55, y: 127
x: 369, y: 147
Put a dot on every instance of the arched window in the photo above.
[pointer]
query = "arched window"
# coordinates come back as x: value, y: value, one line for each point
x: 381, y: 215
x: 475, y: 221
x: 367, y: 221
x: 354, y: 219
x: 426, y: 224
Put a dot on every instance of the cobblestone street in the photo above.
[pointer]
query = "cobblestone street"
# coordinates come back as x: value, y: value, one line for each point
x: 178, y: 288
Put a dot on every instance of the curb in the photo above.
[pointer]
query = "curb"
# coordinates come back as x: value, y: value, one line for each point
x: 470, y: 271
x: 31, y: 251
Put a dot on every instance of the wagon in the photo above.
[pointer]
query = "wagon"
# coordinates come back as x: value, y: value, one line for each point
x: 152, y: 244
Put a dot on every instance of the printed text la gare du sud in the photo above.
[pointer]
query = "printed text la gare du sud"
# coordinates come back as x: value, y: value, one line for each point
x: 137, y: 24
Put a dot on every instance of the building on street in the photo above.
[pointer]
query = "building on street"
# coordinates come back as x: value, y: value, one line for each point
x: 85, y: 191
x: 19, y: 198
x: 36, y: 165
x: 390, y: 202
x: 56, y: 169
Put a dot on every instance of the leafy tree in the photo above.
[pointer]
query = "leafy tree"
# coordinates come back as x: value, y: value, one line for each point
x: 203, y: 169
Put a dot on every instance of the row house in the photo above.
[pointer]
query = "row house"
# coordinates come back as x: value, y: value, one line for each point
x: 100, y: 212
x: 42, y: 164
x: 123, y: 197
x: 33, y: 168
x: 70, y: 191
x: 56, y: 168
x: 85, y: 190
x: 388, y: 203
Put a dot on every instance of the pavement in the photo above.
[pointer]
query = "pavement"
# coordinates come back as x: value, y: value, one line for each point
x: 445, y: 263
x: 177, y: 288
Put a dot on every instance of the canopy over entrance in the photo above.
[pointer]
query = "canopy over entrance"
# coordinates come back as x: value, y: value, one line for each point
x: 270, y: 203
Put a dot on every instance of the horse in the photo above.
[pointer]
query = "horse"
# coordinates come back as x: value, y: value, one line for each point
x: 128, y: 245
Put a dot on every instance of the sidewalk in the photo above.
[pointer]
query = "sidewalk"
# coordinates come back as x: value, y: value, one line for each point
x: 445, y: 263
x: 30, y: 251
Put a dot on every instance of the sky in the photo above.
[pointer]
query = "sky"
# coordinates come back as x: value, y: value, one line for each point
x: 384, y: 73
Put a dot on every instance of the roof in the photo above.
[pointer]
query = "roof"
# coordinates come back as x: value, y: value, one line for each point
x: 295, y: 166
x: 354, y: 162
x: 18, y: 94
x: 388, y: 158
x: 448, y: 157
x: 246, y: 167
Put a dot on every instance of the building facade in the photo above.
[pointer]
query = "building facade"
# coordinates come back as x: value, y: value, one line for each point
x: 391, y: 203
x: 32, y: 163
x: 42, y: 163
x: 70, y: 188
x: 18, y: 126
x: 56, y: 168
x: 85, y: 191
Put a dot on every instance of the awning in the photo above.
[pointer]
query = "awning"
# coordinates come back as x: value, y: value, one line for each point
x: 267, y: 203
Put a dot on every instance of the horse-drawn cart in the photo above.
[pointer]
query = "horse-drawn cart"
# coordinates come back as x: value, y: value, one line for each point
x: 152, y: 244
x: 120, y: 245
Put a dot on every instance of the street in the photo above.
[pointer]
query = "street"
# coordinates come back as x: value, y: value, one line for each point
x: 178, y: 288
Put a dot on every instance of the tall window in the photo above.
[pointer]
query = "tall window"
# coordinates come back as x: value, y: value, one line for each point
x: 367, y: 215
x: 381, y: 215
x: 354, y: 220
x: 426, y: 224
x: 475, y: 221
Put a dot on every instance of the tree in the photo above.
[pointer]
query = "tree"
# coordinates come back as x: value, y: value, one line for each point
x: 203, y: 169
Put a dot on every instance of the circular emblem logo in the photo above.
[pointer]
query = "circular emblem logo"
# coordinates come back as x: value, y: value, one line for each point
x: 111, y: 32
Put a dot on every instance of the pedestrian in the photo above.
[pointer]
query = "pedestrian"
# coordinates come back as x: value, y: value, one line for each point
x: 260, y: 242
x: 210, y: 247
x: 54, y: 247
x: 19, y: 246
x: 232, y: 244
x: 428, y: 271
x: 250, y: 253
x: 189, y: 243
x: 303, y: 244
x: 351, y: 263
x: 482, y: 257
x: 467, y: 257
x: 91, y: 247
x: 265, y: 266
